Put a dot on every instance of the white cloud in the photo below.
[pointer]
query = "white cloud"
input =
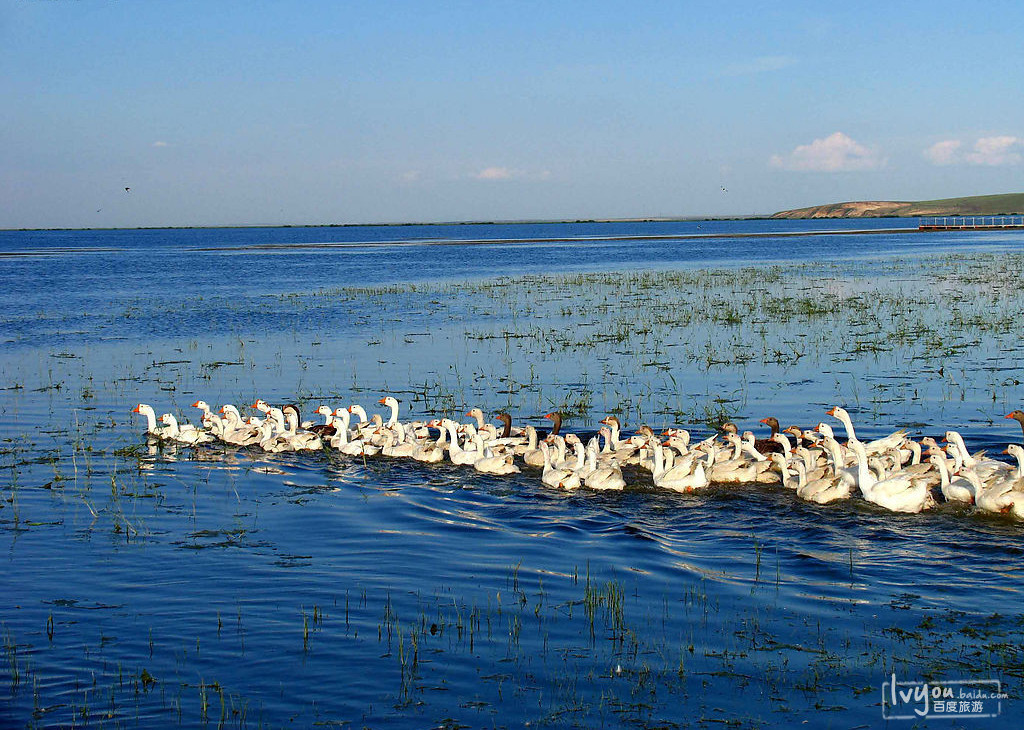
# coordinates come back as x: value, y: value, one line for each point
x: 496, y: 173
x: 761, y: 64
x: 995, y: 151
x: 943, y: 153
x: 988, y: 151
x: 409, y: 176
x: 835, y: 153
x: 510, y: 173
x: 160, y: 144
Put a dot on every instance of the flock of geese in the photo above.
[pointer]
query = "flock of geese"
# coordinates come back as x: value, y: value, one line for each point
x: 894, y: 472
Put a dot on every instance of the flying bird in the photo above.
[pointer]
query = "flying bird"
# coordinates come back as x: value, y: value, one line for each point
x: 127, y: 190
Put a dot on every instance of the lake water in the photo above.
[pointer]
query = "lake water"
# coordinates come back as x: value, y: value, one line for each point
x: 147, y: 586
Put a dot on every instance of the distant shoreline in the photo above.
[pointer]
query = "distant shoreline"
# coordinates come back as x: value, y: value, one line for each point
x: 976, y: 205
x: 556, y: 221
x: 455, y: 223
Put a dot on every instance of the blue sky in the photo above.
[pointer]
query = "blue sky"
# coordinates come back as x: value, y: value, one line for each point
x: 226, y: 112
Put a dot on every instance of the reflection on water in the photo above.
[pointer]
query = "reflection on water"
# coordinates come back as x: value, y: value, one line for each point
x: 152, y: 585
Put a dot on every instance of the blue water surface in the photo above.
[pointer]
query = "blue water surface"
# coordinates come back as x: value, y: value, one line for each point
x: 147, y: 586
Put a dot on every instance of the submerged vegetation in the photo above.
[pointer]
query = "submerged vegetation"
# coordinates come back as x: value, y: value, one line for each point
x: 698, y: 346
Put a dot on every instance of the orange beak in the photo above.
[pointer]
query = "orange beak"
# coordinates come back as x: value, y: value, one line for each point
x: 136, y: 409
x: 381, y: 401
x: 831, y: 412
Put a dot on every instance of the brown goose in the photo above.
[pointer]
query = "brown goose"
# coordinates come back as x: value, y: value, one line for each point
x: 770, y: 445
x: 556, y: 420
x: 1018, y: 416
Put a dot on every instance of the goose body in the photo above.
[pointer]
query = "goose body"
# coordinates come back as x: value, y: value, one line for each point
x: 954, y: 489
x: 558, y: 478
x: 895, y: 492
x: 490, y: 463
x: 184, y: 434
x: 684, y: 477
x: 604, y: 477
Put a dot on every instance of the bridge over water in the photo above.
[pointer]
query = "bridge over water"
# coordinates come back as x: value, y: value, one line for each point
x: 971, y: 223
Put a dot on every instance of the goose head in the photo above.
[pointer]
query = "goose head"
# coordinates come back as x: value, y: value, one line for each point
x: 825, y: 430
x: 1016, y: 415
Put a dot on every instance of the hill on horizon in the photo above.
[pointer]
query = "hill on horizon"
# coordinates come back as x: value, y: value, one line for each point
x: 1007, y: 204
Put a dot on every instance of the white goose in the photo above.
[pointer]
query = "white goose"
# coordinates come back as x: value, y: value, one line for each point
x: 398, y: 444
x: 235, y: 430
x: 790, y: 479
x: 892, y: 441
x: 205, y: 408
x: 431, y: 452
x: 955, y: 489
x: 270, y: 441
x: 684, y: 477
x: 987, y: 468
x: 456, y: 453
x: 489, y: 463
x: 531, y: 452
x: 896, y: 492
x: 603, y: 477
x: 478, y: 416
x: 343, y: 440
x: 624, y: 448
x: 186, y: 433
x: 822, y: 490
x: 563, y: 478
x: 995, y: 500
x: 392, y: 403
x: 146, y: 411
x: 736, y: 470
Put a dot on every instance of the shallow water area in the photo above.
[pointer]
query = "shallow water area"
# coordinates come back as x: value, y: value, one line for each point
x: 146, y: 584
